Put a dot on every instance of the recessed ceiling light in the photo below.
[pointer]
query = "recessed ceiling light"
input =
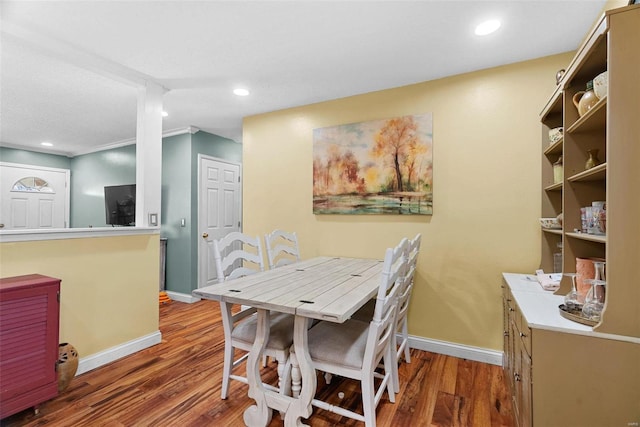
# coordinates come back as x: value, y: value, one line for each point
x: 165, y: 114
x: 46, y: 144
x: 241, y: 92
x: 487, y: 27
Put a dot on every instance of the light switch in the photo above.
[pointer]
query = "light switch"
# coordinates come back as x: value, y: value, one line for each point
x: 153, y: 219
x: 183, y: 222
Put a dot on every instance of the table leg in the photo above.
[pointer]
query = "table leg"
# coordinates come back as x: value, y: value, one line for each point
x: 258, y: 415
x: 301, y: 407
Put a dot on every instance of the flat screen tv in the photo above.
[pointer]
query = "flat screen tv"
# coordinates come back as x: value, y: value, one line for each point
x: 120, y: 204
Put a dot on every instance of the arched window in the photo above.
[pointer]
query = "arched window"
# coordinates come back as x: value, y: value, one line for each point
x: 32, y: 184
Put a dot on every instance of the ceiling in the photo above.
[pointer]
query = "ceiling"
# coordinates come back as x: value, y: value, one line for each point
x: 71, y: 70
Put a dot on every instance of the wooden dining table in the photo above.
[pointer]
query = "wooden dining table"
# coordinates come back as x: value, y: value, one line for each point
x: 323, y: 288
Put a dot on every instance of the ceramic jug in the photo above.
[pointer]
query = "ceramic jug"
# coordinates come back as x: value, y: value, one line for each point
x: 584, y: 100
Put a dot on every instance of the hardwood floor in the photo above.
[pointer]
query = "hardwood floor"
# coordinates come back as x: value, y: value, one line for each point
x: 177, y: 383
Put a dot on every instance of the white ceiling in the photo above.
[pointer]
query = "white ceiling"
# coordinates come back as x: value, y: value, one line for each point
x: 70, y: 69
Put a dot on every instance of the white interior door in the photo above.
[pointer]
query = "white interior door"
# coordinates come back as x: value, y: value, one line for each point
x: 33, y: 197
x: 219, y: 210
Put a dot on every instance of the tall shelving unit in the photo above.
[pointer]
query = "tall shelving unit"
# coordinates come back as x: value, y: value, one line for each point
x: 612, y: 126
x: 563, y: 372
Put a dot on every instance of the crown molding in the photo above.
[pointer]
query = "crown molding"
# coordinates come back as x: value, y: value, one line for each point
x: 104, y: 147
x: 131, y: 141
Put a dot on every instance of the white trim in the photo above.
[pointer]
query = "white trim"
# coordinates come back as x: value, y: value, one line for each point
x: 132, y: 141
x: 180, y: 297
x: 461, y: 351
x: 180, y: 131
x: 72, y: 233
x: 109, y: 355
x: 108, y: 146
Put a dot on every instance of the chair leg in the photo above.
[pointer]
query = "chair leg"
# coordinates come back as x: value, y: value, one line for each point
x: 369, y: 400
x: 327, y: 377
x: 391, y: 367
x: 405, y: 340
x: 393, y: 362
x: 226, y: 369
x: 284, y: 375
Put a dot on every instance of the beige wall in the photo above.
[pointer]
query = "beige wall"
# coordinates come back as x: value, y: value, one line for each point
x: 109, y: 288
x: 486, y: 136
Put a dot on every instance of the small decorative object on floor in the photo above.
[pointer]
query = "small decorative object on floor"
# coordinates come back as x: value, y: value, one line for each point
x: 67, y: 365
x: 164, y: 298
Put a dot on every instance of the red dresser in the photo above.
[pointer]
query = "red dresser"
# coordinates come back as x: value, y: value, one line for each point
x: 29, y: 319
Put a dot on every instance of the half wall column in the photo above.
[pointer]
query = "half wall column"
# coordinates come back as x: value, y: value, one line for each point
x: 149, y: 155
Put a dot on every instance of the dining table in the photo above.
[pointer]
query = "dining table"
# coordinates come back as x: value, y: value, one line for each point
x: 323, y: 288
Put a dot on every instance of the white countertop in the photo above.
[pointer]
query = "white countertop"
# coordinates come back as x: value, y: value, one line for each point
x: 540, y: 308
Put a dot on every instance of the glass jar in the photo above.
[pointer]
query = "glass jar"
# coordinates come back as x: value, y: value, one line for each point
x: 558, y: 171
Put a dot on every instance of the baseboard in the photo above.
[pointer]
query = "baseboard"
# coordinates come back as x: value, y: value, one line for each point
x: 457, y: 350
x: 180, y: 297
x: 109, y: 355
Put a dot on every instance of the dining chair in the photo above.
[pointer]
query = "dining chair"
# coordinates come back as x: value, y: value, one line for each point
x: 401, y: 335
x: 238, y: 255
x: 354, y: 349
x: 282, y: 248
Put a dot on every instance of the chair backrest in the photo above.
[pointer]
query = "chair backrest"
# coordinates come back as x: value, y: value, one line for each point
x: 237, y: 255
x: 413, y: 248
x: 391, y: 278
x: 391, y: 283
x: 412, y: 261
x: 282, y: 248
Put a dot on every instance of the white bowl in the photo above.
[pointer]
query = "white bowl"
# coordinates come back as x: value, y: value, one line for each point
x: 555, y: 134
x: 600, y: 84
x: 550, y: 223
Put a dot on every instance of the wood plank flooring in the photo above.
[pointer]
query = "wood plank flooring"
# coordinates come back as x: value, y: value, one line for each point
x: 177, y: 383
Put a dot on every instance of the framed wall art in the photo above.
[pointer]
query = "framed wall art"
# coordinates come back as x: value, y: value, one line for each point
x: 374, y: 167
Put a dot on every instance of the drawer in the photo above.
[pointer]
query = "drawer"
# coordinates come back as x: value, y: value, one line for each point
x: 524, y: 331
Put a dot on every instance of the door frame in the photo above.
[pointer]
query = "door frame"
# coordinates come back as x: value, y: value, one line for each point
x: 198, y: 232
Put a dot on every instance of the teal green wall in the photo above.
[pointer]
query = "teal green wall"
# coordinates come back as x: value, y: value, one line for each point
x: 176, y: 204
x: 90, y: 173
x: 11, y: 155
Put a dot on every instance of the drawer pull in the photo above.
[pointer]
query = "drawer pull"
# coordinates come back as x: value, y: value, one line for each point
x: 516, y: 376
x: 511, y: 309
x: 505, y: 333
x: 522, y: 335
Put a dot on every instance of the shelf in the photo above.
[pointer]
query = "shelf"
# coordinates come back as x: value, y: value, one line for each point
x: 554, y: 187
x: 554, y: 106
x: 598, y: 173
x: 595, y: 118
x: 589, y: 237
x: 552, y: 231
x: 555, y: 148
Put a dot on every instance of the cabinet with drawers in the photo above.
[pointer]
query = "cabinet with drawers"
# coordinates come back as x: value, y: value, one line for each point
x: 29, y: 319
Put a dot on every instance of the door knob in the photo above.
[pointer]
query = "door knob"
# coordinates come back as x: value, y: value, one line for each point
x: 205, y: 235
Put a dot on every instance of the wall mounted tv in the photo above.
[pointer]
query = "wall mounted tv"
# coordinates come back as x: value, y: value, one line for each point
x: 120, y: 204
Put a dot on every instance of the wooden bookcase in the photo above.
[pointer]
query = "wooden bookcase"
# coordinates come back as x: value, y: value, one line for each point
x: 29, y: 319
x: 613, y: 127
x: 562, y: 372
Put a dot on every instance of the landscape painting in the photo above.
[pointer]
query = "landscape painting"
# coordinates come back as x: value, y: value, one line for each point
x: 375, y: 167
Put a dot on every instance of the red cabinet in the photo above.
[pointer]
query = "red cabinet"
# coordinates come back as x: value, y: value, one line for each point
x: 29, y: 319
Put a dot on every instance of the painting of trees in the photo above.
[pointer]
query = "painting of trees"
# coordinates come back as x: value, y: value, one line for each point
x: 382, y: 166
